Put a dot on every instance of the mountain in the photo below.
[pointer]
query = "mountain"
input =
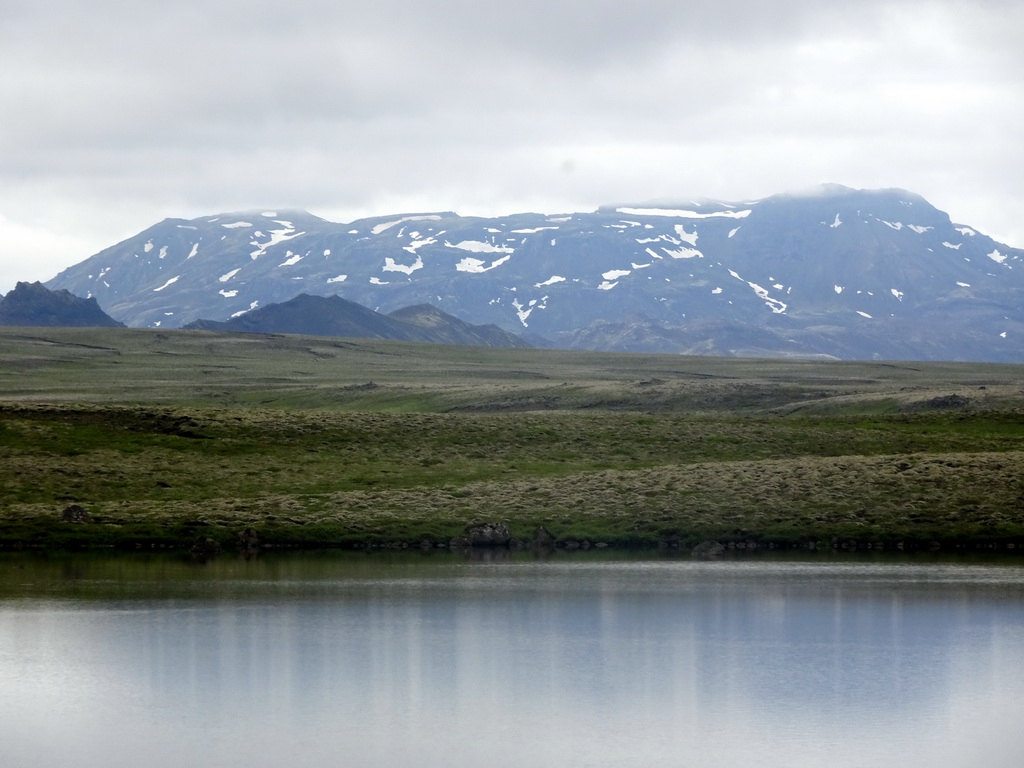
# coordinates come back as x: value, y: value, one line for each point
x: 32, y: 304
x: 335, y: 316
x: 442, y: 328
x: 839, y: 272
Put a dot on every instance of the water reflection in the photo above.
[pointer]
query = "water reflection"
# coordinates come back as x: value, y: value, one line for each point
x: 437, y: 662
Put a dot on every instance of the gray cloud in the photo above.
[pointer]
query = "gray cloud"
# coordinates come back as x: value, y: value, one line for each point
x: 118, y: 114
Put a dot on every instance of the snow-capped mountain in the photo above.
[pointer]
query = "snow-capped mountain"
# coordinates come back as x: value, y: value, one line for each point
x: 841, y: 272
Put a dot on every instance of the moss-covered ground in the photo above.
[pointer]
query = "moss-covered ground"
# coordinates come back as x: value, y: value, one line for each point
x: 164, y: 437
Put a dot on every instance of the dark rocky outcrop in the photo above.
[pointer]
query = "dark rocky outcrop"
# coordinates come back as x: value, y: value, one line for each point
x: 543, y: 539
x: 248, y: 541
x: 205, y: 549
x: 708, y: 550
x: 485, y: 535
x: 75, y: 513
x: 949, y: 401
x: 34, y: 305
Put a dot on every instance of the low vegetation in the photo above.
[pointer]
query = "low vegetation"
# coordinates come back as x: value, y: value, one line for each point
x: 157, y: 439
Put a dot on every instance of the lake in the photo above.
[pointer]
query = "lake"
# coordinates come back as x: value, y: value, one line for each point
x: 344, y: 659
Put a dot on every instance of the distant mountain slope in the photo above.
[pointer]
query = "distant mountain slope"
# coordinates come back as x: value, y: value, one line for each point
x: 836, y: 271
x: 335, y: 316
x: 32, y: 304
x: 442, y: 328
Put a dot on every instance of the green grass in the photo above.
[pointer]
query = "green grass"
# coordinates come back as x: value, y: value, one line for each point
x: 166, y: 436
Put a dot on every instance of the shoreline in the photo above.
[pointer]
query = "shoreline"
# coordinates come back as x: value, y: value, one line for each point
x: 203, y: 539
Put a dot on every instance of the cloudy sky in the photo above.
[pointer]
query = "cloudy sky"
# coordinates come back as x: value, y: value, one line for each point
x: 119, y: 113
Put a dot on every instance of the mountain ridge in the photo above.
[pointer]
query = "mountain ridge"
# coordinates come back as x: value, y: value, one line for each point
x: 335, y: 316
x: 834, y: 271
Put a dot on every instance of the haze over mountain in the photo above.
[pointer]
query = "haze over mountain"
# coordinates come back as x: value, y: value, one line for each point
x: 855, y: 274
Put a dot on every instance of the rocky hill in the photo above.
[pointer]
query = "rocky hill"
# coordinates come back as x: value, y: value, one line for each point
x: 32, y: 304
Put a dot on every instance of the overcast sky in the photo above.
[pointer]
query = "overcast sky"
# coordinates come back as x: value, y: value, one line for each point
x: 115, y: 114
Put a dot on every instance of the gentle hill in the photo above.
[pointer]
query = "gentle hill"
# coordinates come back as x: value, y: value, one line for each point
x: 442, y: 328
x: 197, y: 367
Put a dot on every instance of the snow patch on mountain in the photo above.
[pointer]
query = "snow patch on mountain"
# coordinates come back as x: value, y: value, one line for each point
x: 252, y: 306
x: 390, y: 265
x: 550, y: 281
x: 228, y: 275
x: 478, y: 246
x: 170, y: 282
x: 469, y: 264
x: 277, y: 236
x: 419, y: 243
x: 684, y: 253
x: 684, y: 236
x: 776, y: 306
x: 523, y: 311
x: 615, y: 274
x: 236, y: 224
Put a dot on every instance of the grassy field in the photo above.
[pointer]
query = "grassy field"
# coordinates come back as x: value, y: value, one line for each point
x: 166, y: 436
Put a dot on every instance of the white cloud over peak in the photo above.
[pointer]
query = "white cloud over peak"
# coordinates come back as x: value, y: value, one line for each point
x: 120, y: 114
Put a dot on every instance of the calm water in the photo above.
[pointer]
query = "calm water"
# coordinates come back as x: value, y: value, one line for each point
x: 345, y: 660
